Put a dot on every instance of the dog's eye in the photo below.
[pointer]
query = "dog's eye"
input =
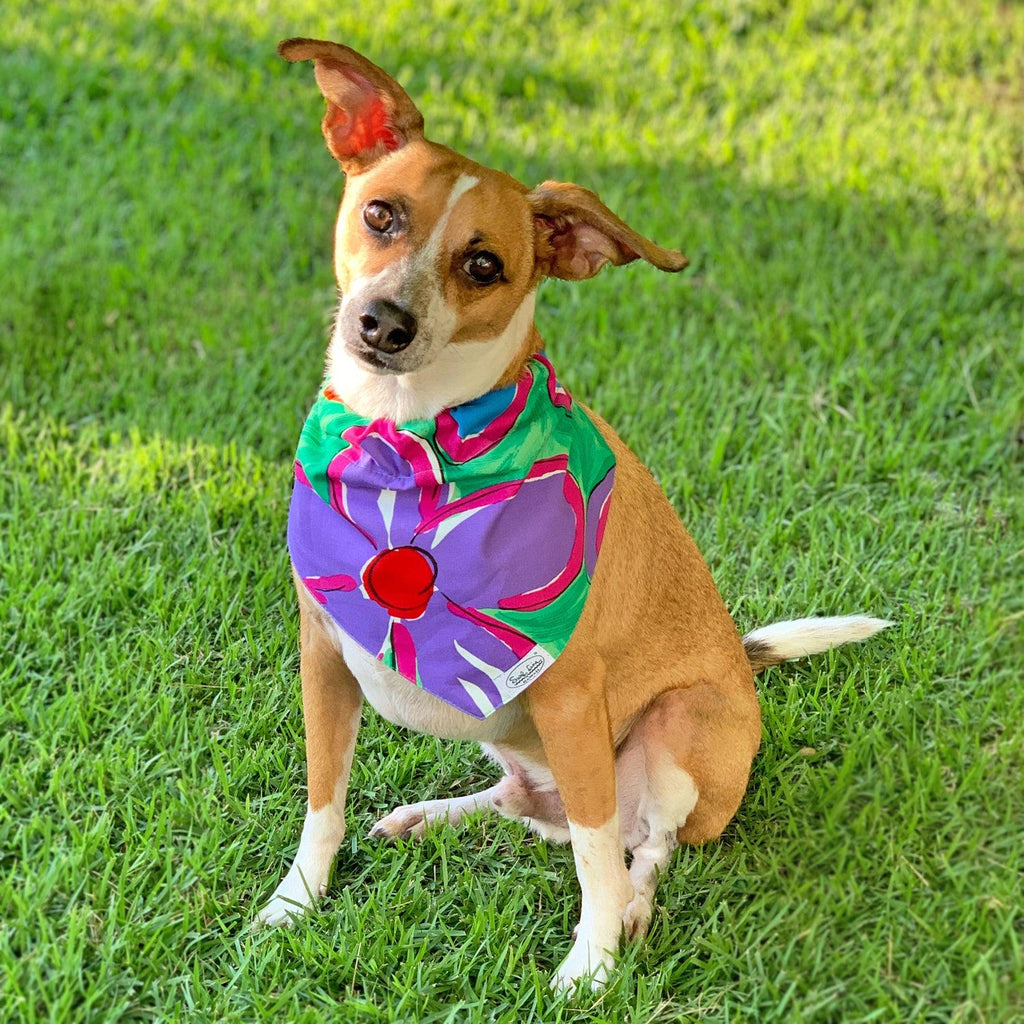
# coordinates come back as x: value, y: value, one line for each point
x: 379, y: 217
x: 483, y: 267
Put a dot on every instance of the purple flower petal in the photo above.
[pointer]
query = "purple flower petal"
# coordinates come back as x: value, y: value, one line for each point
x: 493, y: 548
x: 324, y: 545
x: 517, y: 642
x: 385, y: 482
x: 597, y: 517
x: 457, y: 657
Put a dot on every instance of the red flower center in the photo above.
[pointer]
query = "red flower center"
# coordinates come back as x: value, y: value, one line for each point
x: 401, y: 580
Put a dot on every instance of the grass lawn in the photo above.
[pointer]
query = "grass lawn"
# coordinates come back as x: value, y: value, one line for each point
x: 831, y: 396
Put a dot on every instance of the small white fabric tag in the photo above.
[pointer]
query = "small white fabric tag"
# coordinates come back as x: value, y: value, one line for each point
x: 523, y: 672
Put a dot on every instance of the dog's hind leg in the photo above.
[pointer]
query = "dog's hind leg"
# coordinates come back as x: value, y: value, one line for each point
x: 687, y: 760
x: 655, y: 796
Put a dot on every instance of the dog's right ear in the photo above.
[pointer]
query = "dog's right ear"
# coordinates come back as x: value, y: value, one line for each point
x: 368, y: 112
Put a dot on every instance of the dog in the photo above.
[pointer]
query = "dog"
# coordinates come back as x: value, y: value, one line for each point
x: 624, y: 721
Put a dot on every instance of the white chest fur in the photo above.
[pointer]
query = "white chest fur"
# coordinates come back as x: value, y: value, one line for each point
x: 402, y: 703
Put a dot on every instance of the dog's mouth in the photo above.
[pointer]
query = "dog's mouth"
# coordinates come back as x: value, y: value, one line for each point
x: 379, y: 362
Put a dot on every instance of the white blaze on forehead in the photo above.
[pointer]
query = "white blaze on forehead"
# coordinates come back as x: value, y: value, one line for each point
x: 463, y: 183
x: 432, y: 246
x: 404, y: 274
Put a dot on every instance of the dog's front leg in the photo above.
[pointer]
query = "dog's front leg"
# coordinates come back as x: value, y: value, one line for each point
x: 573, y: 724
x: 331, y: 706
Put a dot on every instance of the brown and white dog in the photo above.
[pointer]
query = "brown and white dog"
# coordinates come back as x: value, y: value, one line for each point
x: 641, y: 735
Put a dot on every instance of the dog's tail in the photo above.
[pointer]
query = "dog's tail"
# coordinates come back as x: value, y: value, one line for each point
x: 771, y: 645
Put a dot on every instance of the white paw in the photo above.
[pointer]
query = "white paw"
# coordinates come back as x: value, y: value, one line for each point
x: 637, y: 917
x: 410, y: 822
x: 291, y: 900
x: 584, y: 964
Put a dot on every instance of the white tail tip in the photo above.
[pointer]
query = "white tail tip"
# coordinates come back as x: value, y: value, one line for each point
x: 798, y: 638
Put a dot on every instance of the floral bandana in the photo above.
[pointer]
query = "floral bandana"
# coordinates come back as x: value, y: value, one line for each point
x: 458, y: 551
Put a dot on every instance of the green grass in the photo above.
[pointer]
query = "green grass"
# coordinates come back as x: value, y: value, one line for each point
x: 832, y: 398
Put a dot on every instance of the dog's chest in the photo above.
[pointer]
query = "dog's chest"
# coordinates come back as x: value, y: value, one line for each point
x: 401, y: 702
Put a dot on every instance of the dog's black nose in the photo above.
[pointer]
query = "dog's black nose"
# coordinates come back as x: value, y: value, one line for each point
x: 387, y: 327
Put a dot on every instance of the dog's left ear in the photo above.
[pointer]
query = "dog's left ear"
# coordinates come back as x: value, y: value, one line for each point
x: 576, y: 235
x: 368, y: 113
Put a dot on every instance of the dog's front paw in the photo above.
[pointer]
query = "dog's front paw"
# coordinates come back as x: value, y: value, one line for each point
x: 291, y: 900
x: 584, y: 964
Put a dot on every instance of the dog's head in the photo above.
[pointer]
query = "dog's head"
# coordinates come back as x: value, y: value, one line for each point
x: 437, y: 257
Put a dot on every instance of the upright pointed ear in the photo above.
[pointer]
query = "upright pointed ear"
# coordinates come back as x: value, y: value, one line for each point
x: 368, y: 112
x: 576, y: 235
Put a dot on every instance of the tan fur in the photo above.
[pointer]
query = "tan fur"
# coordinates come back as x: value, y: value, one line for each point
x: 651, y: 709
x: 653, y: 623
